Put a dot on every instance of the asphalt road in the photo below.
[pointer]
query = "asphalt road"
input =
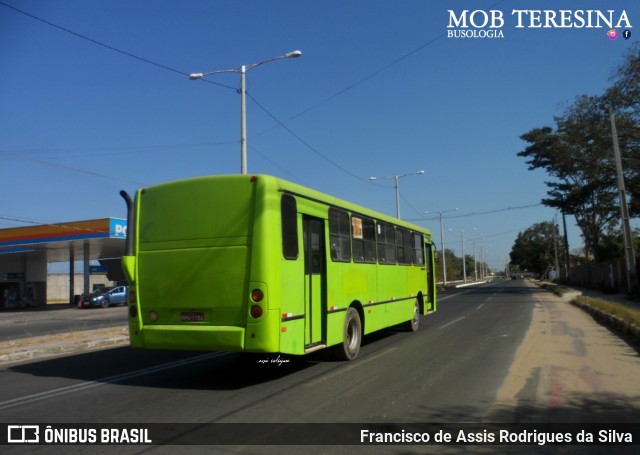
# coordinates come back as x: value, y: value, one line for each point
x: 502, y: 352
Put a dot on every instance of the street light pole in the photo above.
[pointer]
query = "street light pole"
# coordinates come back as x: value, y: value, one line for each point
x: 444, y: 256
x: 475, y: 260
x: 464, y: 263
x: 243, y: 119
x: 243, y: 98
x: 398, y: 197
x: 396, y: 178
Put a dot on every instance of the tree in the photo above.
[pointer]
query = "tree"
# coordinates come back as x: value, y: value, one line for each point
x: 612, y: 244
x: 534, y: 249
x: 626, y: 90
x: 453, y: 264
x: 625, y: 97
x: 578, y: 155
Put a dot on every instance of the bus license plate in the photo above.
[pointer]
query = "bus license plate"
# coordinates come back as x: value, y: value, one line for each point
x: 192, y: 316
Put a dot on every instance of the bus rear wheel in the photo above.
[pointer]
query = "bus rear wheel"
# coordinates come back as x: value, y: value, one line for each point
x: 414, y: 324
x: 352, y: 336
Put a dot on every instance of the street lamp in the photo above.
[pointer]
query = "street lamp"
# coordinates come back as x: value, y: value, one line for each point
x: 243, y: 90
x: 483, y: 260
x: 464, y: 262
x: 396, y: 178
x: 444, y: 256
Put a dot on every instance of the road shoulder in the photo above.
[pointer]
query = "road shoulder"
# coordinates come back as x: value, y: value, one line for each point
x: 568, y: 368
x: 63, y: 343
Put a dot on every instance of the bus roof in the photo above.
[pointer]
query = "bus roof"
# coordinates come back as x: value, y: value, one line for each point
x: 308, y: 193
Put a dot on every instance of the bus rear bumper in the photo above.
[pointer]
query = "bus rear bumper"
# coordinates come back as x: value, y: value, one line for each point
x: 205, y: 337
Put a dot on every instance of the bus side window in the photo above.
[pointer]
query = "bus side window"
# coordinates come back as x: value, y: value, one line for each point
x: 418, y: 249
x: 339, y: 235
x: 403, y: 244
x: 369, y: 229
x: 364, y: 240
x: 289, y: 213
x: 386, y: 243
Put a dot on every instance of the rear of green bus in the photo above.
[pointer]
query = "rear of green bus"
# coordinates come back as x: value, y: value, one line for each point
x: 190, y: 266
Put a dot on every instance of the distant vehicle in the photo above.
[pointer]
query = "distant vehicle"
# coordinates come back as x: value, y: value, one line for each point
x: 106, y: 297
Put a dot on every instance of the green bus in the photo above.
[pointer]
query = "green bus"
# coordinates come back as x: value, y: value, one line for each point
x: 257, y: 264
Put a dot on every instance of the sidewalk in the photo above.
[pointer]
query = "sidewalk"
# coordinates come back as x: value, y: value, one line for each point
x: 64, y: 343
x: 614, y: 323
x: 569, y: 368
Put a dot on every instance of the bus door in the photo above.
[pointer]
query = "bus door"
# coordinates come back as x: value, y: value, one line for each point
x: 431, y: 282
x: 315, y: 273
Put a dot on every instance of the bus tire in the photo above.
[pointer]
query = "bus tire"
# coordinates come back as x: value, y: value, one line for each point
x: 351, y: 337
x: 414, y: 324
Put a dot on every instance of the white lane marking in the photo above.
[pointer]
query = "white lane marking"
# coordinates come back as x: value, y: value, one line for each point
x: 451, y: 323
x: 103, y: 381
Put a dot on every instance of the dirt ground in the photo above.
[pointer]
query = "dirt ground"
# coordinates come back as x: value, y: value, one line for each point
x: 570, y: 368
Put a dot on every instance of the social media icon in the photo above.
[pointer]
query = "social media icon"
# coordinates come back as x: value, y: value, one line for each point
x: 613, y: 34
x: 626, y: 34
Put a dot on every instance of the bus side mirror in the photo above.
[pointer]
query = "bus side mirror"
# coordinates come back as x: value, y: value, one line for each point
x: 436, y: 257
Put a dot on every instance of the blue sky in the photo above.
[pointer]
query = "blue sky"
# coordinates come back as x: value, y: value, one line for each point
x: 379, y: 91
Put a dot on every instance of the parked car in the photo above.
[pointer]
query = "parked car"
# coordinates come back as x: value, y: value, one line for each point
x: 107, y: 297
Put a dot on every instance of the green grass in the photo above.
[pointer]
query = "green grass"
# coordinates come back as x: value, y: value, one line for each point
x: 557, y: 290
x: 626, y: 313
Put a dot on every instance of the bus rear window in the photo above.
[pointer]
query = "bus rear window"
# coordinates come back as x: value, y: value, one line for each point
x: 289, y: 212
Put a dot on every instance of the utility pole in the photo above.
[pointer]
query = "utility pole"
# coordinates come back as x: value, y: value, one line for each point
x: 555, y: 247
x: 567, y: 258
x: 626, y: 228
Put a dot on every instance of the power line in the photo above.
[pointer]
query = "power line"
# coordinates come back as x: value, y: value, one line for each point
x: 128, y: 54
x: 305, y: 143
x: 15, y: 156
x: 106, y: 46
x: 506, y: 209
x: 273, y: 163
x: 120, y: 150
x: 280, y: 123
x: 370, y: 75
x: 488, y: 236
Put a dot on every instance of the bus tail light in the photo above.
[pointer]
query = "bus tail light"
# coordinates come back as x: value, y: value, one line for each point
x: 132, y: 296
x: 257, y: 295
x: 256, y: 311
x: 133, y: 311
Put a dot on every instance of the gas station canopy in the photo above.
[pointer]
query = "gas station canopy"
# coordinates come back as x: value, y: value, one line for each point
x: 105, y: 237
x: 26, y: 251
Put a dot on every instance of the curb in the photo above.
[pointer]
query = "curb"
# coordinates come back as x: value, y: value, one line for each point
x: 614, y: 322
